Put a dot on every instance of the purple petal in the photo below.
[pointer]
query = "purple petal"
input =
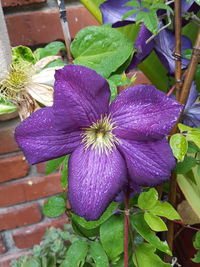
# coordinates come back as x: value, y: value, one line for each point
x: 144, y: 113
x: 193, y: 95
x: 191, y: 116
x: 81, y: 96
x: 94, y: 181
x: 165, y: 48
x: 41, y: 140
x: 143, y: 49
x: 149, y: 163
x: 113, y: 11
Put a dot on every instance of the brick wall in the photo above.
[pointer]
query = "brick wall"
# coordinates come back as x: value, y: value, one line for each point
x: 24, y: 188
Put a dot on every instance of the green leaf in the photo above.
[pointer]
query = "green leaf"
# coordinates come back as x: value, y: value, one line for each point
x: 23, y: 53
x: 55, y: 206
x: 149, y: 19
x: 157, y: 6
x: 188, y: 53
x: 55, y: 63
x: 76, y: 254
x: 146, y: 257
x: 196, y: 257
x: 98, y: 254
x: 147, y: 200
x: 185, y: 166
x: 93, y: 7
x: 112, y: 235
x: 190, y: 191
x: 113, y: 90
x: 101, y: 48
x: 53, y: 165
x: 78, y: 229
x: 192, y: 148
x: 154, y: 222
x: 196, y: 242
x: 185, y: 128
x: 196, y: 245
x: 179, y: 146
x: 139, y: 224
x: 134, y: 3
x: 64, y: 173
x: 6, y: 107
x: 194, y: 137
x: 52, y: 49
x: 130, y: 13
x: 198, y: 2
x: 166, y: 210
x: 33, y: 262
x: 93, y: 224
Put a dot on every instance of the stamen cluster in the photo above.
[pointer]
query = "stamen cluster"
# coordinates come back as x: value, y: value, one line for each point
x: 100, y: 136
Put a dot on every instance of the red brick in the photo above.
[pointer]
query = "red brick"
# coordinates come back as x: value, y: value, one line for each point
x: 30, y: 236
x: 43, y: 27
x: 5, y: 260
x: 13, y: 168
x: 7, y: 141
x: 41, y: 167
x: 29, y: 189
x: 20, y: 216
x: 9, y: 3
x: 2, y: 246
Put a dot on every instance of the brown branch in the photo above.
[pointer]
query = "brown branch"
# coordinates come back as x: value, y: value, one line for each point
x: 182, y: 98
x: 178, y: 55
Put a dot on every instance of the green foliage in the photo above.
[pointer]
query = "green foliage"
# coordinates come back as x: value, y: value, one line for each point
x: 52, y: 49
x: 186, y: 165
x: 148, y: 200
x: 53, y: 165
x: 154, y: 222
x: 22, y: 53
x: 140, y: 225
x: 196, y: 245
x: 149, y: 16
x: 64, y: 173
x: 55, y: 206
x: 166, y: 210
x: 98, y: 254
x: 76, y: 254
x: 190, y: 186
x: 102, y: 49
x: 93, y: 7
x: 112, y: 232
x: 179, y: 146
x: 118, y: 80
x: 62, y: 163
x: 51, y: 251
x: 192, y: 134
x: 55, y: 63
x: 93, y: 224
x: 145, y: 256
x: 6, y: 107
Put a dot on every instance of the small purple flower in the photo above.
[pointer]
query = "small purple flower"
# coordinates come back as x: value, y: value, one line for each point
x: 108, y: 142
x: 191, y: 116
x: 163, y: 43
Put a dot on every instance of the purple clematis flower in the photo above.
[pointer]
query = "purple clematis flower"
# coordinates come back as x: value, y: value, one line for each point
x: 108, y: 143
x: 191, y: 115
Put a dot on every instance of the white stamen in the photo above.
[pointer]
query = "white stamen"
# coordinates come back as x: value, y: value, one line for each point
x: 100, y: 136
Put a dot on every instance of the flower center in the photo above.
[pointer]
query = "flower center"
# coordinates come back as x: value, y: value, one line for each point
x: 99, y: 135
x: 13, y: 85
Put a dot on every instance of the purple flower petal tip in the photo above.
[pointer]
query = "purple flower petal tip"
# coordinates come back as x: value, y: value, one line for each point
x: 95, y: 180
